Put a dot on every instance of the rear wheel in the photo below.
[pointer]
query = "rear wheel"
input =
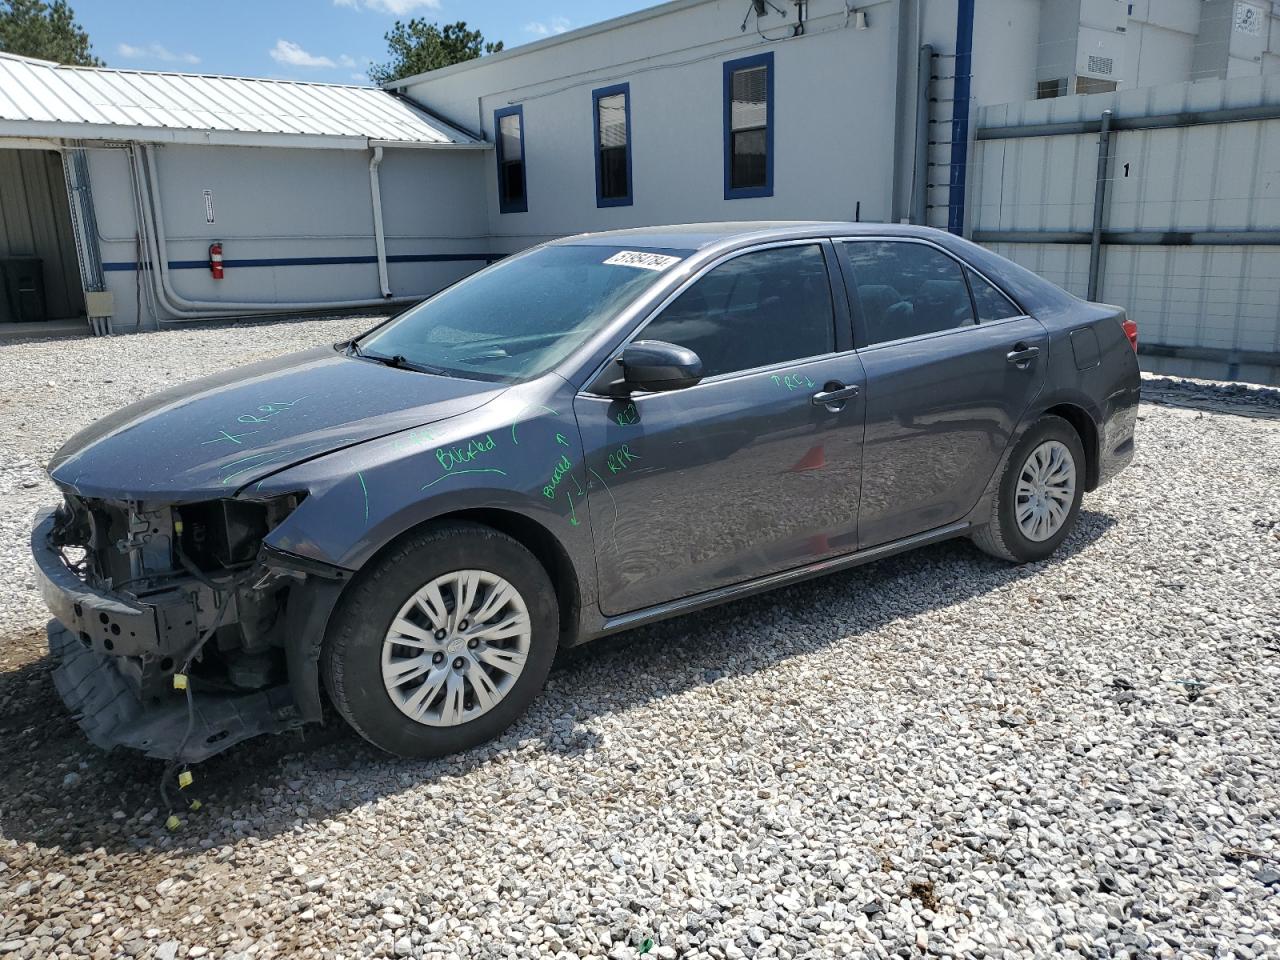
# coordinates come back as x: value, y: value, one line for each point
x: 443, y: 642
x: 1038, y: 498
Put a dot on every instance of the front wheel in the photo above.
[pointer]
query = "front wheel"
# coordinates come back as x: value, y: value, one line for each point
x: 442, y: 642
x: 1038, y: 498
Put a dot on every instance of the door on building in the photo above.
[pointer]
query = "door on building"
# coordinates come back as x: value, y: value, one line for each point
x: 951, y: 365
x: 744, y: 474
x: 39, y: 270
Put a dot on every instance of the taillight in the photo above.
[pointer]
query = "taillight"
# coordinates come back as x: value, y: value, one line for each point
x: 1131, y: 331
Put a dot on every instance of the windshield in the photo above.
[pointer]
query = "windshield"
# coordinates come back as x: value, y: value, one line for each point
x: 520, y: 317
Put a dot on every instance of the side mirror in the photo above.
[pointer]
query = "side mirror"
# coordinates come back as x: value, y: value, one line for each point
x: 657, y: 365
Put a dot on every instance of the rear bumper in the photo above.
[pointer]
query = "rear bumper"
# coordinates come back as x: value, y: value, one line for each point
x: 1116, y: 437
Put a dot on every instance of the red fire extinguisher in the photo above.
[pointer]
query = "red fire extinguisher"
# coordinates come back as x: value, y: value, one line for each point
x: 215, y: 259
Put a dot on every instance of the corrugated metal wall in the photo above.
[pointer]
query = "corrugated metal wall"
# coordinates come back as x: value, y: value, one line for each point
x: 35, y: 222
x: 1210, y: 177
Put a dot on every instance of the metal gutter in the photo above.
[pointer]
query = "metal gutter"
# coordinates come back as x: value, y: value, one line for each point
x: 43, y: 135
x: 209, y: 138
x: 419, y: 145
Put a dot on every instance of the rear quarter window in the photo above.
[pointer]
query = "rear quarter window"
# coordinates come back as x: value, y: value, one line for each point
x: 990, y: 302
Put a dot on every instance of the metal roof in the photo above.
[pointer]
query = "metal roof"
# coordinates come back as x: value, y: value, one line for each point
x: 43, y: 99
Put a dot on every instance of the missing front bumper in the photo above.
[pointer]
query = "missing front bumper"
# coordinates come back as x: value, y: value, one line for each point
x: 111, y: 715
x: 116, y: 653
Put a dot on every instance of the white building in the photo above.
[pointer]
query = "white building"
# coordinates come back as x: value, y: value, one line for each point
x: 692, y: 110
x: 320, y: 196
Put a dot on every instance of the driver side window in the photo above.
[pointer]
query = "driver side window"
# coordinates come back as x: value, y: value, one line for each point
x: 756, y: 310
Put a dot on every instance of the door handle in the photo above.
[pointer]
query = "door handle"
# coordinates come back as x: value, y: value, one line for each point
x: 826, y: 398
x: 1022, y: 355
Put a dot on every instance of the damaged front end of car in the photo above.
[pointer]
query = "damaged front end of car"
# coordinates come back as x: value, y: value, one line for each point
x: 178, y: 631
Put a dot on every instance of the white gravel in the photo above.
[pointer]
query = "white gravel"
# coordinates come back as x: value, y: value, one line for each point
x: 938, y: 754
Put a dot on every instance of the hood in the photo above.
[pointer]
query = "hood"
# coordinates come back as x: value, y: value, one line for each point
x: 213, y: 436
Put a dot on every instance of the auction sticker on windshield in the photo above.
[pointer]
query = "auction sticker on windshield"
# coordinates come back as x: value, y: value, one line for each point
x: 645, y: 261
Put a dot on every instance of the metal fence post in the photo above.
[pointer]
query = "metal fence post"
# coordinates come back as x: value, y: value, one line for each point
x: 1099, y: 204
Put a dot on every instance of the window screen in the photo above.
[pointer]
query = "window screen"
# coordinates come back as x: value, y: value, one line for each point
x: 613, y: 149
x: 511, y: 182
x: 747, y: 120
x: 907, y: 289
x: 755, y: 310
x: 991, y: 303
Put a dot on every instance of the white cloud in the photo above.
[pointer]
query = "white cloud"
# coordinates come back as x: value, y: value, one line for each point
x: 397, y: 8
x: 289, y: 53
x: 360, y: 77
x: 546, y: 29
x: 154, y: 51
x: 347, y: 61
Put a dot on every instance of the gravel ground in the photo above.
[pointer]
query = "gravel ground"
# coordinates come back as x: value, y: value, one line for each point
x: 936, y: 754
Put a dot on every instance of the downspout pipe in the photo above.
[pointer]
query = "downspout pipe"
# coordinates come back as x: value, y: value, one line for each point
x: 379, y: 239
x: 920, y: 188
x: 184, y: 308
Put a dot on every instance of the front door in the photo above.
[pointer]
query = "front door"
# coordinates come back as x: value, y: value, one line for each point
x: 951, y: 364
x: 744, y: 474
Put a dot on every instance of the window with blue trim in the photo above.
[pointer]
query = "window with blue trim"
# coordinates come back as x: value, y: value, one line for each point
x: 748, y: 127
x: 508, y: 132
x: 612, y: 123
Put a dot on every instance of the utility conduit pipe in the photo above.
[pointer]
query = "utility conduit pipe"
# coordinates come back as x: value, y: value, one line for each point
x: 184, y: 308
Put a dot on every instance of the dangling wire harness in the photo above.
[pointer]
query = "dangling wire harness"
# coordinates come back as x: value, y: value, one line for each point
x: 182, y: 681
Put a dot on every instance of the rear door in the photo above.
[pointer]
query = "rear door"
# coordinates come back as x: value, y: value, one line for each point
x: 951, y: 365
x: 745, y: 473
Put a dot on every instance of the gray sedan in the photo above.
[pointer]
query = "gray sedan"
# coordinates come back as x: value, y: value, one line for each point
x: 594, y: 434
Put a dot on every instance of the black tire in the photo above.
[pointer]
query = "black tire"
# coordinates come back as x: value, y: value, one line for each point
x: 351, y: 660
x: 1002, y: 537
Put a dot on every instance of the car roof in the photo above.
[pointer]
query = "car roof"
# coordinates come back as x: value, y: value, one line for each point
x: 710, y: 240
x: 695, y: 236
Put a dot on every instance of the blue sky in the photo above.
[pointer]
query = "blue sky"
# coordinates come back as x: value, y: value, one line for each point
x: 330, y: 40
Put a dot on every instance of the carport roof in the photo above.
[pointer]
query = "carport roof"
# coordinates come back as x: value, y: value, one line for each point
x: 39, y: 99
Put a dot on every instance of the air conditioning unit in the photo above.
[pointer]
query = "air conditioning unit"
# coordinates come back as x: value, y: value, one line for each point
x: 1083, y: 43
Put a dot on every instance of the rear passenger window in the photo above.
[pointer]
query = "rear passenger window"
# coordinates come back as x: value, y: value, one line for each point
x: 907, y: 289
x: 991, y: 303
x: 755, y: 310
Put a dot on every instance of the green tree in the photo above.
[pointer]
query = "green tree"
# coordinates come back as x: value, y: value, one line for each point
x: 46, y: 31
x: 418, y: 46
